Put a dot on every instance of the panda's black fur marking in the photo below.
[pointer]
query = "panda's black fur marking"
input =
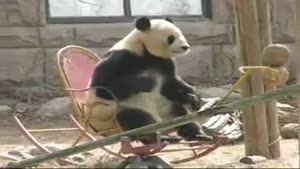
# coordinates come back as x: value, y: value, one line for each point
x: 169, y: 19
x: 142, y: 23
x: 123, y: 81
x: 119, y: 72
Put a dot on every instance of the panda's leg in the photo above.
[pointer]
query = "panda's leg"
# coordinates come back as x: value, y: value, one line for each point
x: 134, y: 118
x: 188, y: 131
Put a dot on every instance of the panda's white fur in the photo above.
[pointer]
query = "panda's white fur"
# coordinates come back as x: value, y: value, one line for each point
x: 158, y: 105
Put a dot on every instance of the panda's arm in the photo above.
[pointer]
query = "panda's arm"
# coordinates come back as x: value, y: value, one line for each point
x: 115, y: 74
x: 177, y: 89
x: 174, y: 80
x: 113, y: 66
x: 105, y: 71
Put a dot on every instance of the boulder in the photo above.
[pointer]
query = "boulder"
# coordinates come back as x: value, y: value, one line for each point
x: 253, y: 159
x: 24, y: 108
x: 289, y: 131
x: 4, y: 109
x: 57, y: 108
x: 218, y: 92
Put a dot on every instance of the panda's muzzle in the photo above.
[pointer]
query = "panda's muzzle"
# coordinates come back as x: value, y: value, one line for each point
x: 182, y: 49
x: 185, y: 48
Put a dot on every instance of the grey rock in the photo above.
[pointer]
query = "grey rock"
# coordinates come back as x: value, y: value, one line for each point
x: 58, y: 108
x: 217, y: 92
x: 253, y: 159
x: 289, y: 130
x: 78, y: 158
x: 4, y: 109
x: 23, y: 107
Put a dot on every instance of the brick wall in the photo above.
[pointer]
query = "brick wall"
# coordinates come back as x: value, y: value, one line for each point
x: 28, y: 44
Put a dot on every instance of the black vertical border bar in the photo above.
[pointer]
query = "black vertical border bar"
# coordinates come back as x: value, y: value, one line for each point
x: 48, y: 16
x: 127, y: 8
x: 207, y: 8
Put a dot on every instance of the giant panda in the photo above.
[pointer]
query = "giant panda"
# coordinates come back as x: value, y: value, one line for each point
x: 140, y: 72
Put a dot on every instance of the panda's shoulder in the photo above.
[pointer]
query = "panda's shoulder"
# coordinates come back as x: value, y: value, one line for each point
x: 168, y: 65
x: 120, y: 56
x: 169, y: 62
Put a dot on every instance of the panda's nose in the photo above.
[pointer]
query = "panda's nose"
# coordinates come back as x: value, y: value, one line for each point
x: 185, y: 47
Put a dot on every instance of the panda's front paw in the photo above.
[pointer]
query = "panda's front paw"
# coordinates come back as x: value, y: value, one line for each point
x: 194, y: 101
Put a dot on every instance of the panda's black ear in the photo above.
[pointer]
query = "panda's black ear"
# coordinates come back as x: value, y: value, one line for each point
x: 142, y: 23
x: 169, y: 19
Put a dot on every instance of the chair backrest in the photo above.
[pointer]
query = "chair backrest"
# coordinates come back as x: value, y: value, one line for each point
x: 76, y: 65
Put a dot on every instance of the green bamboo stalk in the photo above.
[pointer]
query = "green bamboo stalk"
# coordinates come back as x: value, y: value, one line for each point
x: 225, y: 107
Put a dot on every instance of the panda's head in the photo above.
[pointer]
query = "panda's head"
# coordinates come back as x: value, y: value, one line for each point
x: 161, y: 37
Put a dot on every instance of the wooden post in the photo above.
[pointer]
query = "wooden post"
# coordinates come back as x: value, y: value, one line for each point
x: 263, y: 13
x: 273, y: 126
x: 274, y: 56
x: 298, y: 62
x: 254, y: 118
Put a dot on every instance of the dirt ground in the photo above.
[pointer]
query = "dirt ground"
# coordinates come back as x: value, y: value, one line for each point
x: 226, y: 156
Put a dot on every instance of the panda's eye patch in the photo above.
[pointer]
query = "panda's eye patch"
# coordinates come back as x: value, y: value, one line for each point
x: 171, y: 39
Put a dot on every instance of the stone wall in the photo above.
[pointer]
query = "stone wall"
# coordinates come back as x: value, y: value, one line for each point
x: 28, y: 43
